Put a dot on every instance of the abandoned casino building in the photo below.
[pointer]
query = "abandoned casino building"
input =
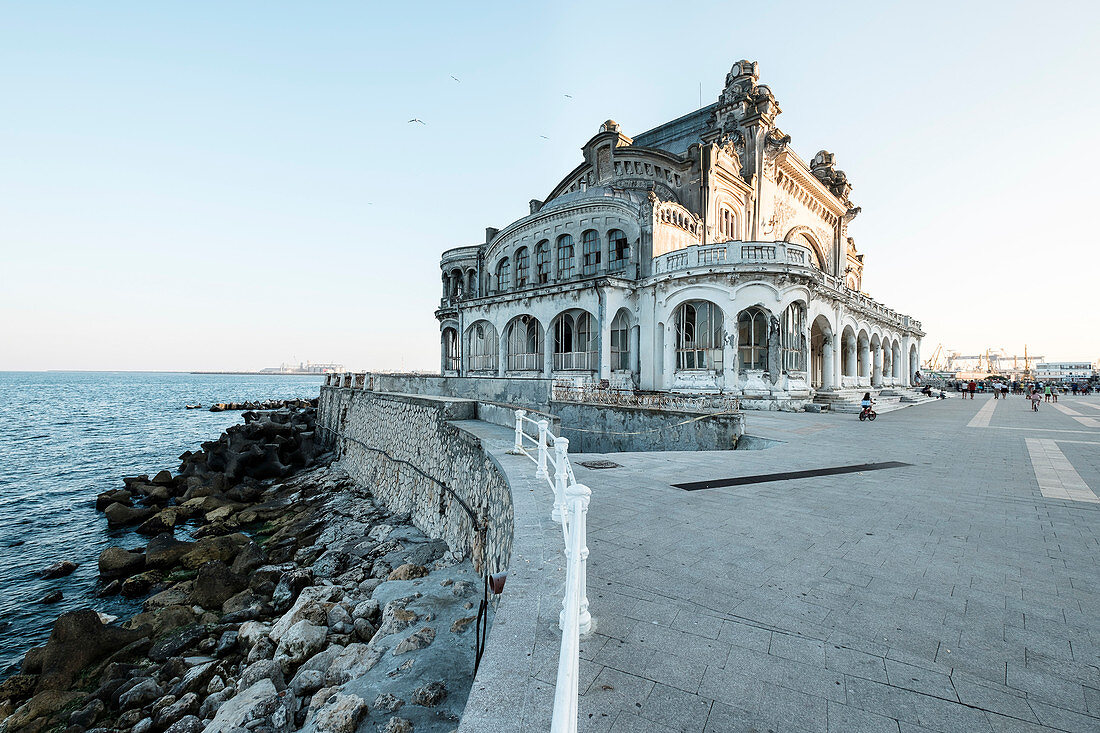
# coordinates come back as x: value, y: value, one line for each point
x: 702, y: 257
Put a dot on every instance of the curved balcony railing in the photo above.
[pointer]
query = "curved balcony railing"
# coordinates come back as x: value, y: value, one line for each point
x: 734, y: 253
x: 780, y: 255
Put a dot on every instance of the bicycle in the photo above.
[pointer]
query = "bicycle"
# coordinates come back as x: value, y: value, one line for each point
x: 867, y: 413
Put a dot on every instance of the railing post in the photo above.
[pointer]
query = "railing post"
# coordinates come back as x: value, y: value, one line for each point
x: 544, y: 427
x: 561, y: 476
x: 576, y: 552
x: 517, y: 448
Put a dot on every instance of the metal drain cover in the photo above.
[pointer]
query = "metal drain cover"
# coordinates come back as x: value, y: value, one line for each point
x: 599, y: 464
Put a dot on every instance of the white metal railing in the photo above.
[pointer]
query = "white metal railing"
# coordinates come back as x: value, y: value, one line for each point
x: 571, y: 511
x: 575, y: 360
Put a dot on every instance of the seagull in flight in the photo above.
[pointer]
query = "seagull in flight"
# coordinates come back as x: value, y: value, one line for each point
x: 544, y: 137
x: 417, y: 119
x: 456, y: 78
x: 568, y: 96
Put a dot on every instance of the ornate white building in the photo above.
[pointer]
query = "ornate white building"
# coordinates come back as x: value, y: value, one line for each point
x: 701, y: 256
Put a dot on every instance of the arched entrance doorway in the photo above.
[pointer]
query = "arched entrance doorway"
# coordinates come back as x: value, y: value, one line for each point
x: 821, y: 354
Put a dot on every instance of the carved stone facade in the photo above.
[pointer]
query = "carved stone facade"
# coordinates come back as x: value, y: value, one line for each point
x: 702, y: 256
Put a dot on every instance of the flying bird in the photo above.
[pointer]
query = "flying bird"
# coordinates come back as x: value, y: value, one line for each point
x: 456, y: 78
x: 417, y: 119
x: 568, y: 96
x: 544, y: 137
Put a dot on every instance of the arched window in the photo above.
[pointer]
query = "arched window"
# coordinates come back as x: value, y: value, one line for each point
x: 523, y: 262
x: 619, y: 250
x: 804, y: 240
x: 727, y: 224
x: 565, y: 257
x: 620, y: 342
x: 791, y: 338
x: 752, y: 339
x: 699, y: 336
x: 525, y: 345
x: 484, y: 346
x: 450, y: 350
x: 471, y: 283
x: 574, y: 342
x: 590, y: 249
x: 542, y: 262
x: 503, y: 275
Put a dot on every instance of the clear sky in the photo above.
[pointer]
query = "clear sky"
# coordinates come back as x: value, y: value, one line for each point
x: 211, y: 185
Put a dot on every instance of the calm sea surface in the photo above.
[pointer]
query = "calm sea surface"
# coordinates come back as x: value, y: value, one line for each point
x: 65, y: 437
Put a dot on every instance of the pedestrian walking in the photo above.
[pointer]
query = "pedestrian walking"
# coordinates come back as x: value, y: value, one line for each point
x: 971, y: 387
x: 1046, y: 393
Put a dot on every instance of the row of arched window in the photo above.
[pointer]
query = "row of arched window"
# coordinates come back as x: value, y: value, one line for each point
x: 567, y: 262
x: 700, y: 335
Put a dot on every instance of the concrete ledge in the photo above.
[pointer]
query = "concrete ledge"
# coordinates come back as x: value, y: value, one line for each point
x: 506, y: 696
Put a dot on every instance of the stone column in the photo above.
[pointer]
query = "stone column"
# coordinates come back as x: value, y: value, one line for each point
x: 876, y: 368
x: 828, y: 372
x: 635, y: 351
x: 548, y: 352
x: 605, y: 254
x: 502, y: 353
x: 729, y: 362
x: 775, y: 352
x: 907, y: 373
x: 604, y: 344
x: 850, y: 356
x: 865, y: 357
x: 669, y: 356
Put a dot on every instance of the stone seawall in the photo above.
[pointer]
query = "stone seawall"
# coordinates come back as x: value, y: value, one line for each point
x: 527, y: 392
x: 614, y: 429
x: 406, y: 449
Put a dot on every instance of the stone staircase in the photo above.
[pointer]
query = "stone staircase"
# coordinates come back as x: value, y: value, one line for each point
x: 887, y: 399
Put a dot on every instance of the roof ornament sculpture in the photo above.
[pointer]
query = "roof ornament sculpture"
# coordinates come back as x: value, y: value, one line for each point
x: 824, y: 169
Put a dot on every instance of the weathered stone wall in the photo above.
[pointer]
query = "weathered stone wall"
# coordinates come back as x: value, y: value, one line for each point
x: 524, y: 392
x: 422, y: 450
x: 614, y: 429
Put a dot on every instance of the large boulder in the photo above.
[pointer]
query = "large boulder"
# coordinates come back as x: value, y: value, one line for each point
x: 78, y: 639
x: 340, y: 714
x: 162, y: 521
x: 117, y: 562
x: 104, y: 500
x: 209, y: 549
x: 313, y: 604
x: 42, y: 705
x: 120, y: 515
x: 260, y: 702
x: 215, y: 584
x: 59, y: 569
x: 164, y: 551
x: 299, y: 643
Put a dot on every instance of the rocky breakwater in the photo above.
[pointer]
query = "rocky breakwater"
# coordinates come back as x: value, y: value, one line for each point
x: 264, y: 405
x: 289, y: 600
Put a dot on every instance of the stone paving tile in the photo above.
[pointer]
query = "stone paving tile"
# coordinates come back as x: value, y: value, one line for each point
x: 919, y: 679
x: 730, y: 719
x: 953, y: 579
x: 846, y: 719
x: 676, y: 709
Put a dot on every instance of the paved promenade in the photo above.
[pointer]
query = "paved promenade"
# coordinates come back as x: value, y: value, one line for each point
x: 958, y: 593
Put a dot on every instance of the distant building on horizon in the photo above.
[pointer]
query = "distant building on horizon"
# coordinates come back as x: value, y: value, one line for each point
x: 307, y: 367
x: 1064, y: 371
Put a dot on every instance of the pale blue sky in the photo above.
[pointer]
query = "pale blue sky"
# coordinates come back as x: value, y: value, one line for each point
x: 229, y: 185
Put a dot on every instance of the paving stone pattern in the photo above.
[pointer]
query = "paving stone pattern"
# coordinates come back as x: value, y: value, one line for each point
x: 950, y: 595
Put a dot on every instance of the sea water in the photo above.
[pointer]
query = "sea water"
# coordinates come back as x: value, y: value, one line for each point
x: 67, y: 436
